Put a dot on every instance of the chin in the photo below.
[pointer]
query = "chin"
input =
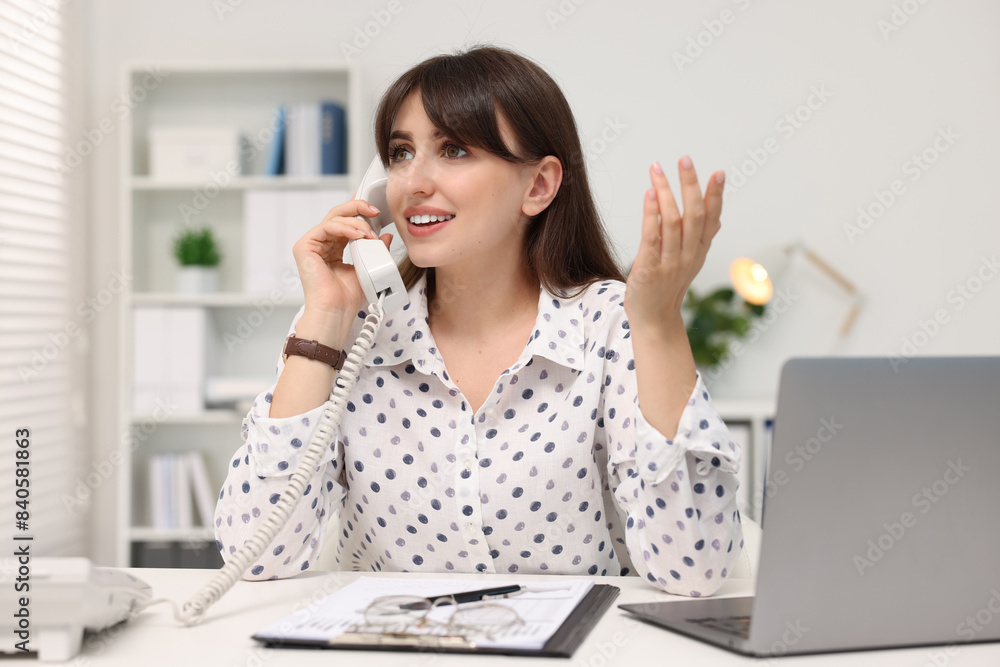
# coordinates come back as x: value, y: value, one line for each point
x: 420, y: 260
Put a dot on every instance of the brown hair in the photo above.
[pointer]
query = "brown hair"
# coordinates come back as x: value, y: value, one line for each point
x: 565, y: 246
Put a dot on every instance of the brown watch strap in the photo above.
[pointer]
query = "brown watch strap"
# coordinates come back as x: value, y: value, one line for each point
x: 313, y: 350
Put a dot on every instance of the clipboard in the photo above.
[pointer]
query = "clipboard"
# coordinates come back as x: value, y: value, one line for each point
x: 561, y: 644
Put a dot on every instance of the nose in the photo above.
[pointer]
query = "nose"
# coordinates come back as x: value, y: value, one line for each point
x: 417, y: 177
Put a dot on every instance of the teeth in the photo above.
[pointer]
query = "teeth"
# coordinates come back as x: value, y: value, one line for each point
x: 425, y: 219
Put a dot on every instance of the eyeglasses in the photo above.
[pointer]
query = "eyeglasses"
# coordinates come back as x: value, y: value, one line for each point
x: 408, y: 614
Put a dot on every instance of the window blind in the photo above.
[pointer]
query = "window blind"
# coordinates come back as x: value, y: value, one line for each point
x: 41, y: 365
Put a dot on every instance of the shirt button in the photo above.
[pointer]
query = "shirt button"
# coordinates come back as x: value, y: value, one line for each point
x: 471, y: 527
x: 468, y: 464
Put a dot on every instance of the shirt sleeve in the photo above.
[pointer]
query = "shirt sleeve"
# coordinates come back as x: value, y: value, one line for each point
x: 258, y: 474
x: 677, y: 498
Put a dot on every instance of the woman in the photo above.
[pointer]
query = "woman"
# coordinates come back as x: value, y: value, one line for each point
x: 497, y: 426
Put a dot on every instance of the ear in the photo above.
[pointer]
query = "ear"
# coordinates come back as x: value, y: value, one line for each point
x: 546, y: 179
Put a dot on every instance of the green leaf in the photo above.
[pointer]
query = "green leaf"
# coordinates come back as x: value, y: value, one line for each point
x: 196, y: 247
x: 723, y: 295
x: 741, y: 326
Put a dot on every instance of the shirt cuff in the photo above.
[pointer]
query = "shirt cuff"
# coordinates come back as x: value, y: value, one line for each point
x: 700, y: 432
x: 277, y: 445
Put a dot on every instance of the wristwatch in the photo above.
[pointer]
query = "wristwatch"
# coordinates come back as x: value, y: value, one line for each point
x: 313, y: 350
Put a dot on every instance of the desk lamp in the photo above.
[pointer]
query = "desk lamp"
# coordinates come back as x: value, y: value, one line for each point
x: 753, y: 279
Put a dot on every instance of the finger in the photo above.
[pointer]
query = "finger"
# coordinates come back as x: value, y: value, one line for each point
x: 649, y: 246
x: 329, y: 238
x: 350, y: 228
x: 387, y: 240
x: 713, y: 207
x: 694, y: 208
x: 351, y: 208
x: 670, y: 217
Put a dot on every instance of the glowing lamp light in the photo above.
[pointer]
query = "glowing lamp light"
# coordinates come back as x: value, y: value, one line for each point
x: 751, y: 281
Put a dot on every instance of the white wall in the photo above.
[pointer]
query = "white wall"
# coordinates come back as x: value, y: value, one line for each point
x: 889, y: 96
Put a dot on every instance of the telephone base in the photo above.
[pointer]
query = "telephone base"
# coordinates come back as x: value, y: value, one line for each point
x: 65, y: 597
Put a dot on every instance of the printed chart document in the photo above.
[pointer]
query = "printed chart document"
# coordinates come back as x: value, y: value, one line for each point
x: 543, y: 606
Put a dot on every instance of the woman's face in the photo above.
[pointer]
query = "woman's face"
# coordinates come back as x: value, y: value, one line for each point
x: 454, y: 206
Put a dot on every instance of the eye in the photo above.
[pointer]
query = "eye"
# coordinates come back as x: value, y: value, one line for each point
x: 454, y: 151
x: 398, y: 153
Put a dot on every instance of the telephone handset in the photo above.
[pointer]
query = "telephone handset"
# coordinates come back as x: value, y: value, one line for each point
x: 384, y: 289
x: 377, y: 272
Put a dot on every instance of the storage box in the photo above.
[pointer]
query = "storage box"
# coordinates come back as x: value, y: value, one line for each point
x: 195, y: 153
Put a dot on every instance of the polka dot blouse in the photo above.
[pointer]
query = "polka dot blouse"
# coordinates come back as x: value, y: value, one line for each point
x: 558, y: 472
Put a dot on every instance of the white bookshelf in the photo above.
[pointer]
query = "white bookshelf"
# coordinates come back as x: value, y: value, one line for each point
x: 245, y: 95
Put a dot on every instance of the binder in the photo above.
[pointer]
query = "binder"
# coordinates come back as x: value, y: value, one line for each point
x: 334, y: 139
x: 562, y: 644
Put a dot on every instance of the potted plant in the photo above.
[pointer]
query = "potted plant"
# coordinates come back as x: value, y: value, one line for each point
x: 198, y: 255
x: 713, y: 323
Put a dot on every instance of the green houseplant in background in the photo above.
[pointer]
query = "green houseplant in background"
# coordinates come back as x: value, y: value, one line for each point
x: 714, y: 322
x: 198, y: 255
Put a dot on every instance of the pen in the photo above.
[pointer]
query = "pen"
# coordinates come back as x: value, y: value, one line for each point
x: 468, y: 596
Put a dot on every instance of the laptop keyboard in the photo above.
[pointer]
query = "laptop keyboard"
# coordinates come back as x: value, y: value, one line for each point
x: 731, y: 625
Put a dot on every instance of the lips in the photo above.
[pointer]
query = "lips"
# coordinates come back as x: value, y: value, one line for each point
x: 426, y: 220
x: 427, y: 228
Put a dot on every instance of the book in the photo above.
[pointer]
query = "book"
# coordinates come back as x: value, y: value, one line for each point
x: 202, y: 488
x: 333, y: 150
x: 303, y: 137
x: 149, y: 336
x: 184, y: 354
x: 168, y: 359
x: 273, y: 220
x: 178, y: 480
x: 315, y: 139
x: 276, y: 154
x: 181, y: 491
x: 158, y: 497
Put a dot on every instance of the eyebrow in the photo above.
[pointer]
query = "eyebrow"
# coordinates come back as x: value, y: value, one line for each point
x: 406, y: 136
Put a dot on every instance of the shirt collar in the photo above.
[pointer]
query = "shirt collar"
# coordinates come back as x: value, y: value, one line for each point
x: 405, y: 336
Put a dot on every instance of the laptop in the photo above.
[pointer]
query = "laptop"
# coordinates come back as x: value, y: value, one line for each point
x: 881, y: 524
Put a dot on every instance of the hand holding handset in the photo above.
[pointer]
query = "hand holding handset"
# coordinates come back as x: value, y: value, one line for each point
x: 377, y: 272
x: 384, y: 289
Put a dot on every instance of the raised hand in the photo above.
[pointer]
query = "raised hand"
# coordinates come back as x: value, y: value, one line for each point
x: 673, y: 247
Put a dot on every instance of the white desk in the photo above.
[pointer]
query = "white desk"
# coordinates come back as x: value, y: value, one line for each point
x: 222, y: 639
